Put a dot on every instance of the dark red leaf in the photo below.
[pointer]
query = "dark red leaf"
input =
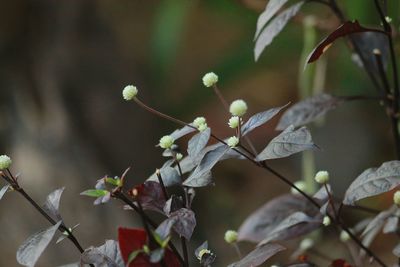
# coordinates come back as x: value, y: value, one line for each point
x: 340, y: 263
x: 132, y: 240
x: 151, y: 196
x: 343, y: 30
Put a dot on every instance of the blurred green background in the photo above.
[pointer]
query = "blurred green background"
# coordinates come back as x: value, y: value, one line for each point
x: 63, y: 121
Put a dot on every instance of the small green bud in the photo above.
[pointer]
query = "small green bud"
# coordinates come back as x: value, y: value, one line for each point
x: 5, y: 162
x: 231, y: 236
x: 166, y: 142
x: 234, y: 122
x: 326, y: 221
x: 210, y: 79
x: 322, y: 177
x: 238, y: 108
x: 129, y: 92
x: 396, y: 198
x: 344, y: 236
x: 233, y: 141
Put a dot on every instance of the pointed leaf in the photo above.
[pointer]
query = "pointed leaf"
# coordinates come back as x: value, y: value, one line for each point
x: 51, y: 206
x: 374, y: 181
x: 289, y: 142
x: 201, y: 175
x: 294, y: 225
x: 271, y: 9
x: 198, y: 142
x: 150, y: 195
x: 262, y: 221
x: 94, y: 193
x: 4, y: 190
x: 29, y: 252
x: 260, y: 118
x: 107, y: 255
x: 274, y: 28
x: 182, y: 132
x: 258, y: 256
x: 345, y: 29
x: 308, y: 110
x: 183, y: 221
x: 169, y: 175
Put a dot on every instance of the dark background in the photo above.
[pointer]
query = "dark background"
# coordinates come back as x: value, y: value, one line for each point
x: 63, y: 121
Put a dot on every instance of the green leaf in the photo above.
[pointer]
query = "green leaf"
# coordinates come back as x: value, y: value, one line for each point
x: 133, y: 255
x: 94, y: 193
x: 112, y: 181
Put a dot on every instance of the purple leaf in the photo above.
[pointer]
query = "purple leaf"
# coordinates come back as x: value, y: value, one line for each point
x: 198, y: 142
x: 265, y: 219
x: 51, y: 206
x: 29, y: 252
x: 183, y: 221
x: 258, y: 256
x: 294, y: 225
x: 107, y: 255
x: 271, y: 9
x: 374, y: 181
x: 182, y: 132
x: 289, y: 142
x: 260, y: 118
x: 201, y: 176
x: 150, y: 195
x: 274, y: 28
x: 308, y: 110
x: 169, y: 175
x: 4, y: 190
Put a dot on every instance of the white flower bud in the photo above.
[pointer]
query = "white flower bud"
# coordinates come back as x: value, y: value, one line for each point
x: 238, y: 108
x: 129, y: 92
x: 234, y: 122
x: 178, y: 156
x: 300, y: 185
x: 199, y: 121
x: 202, y: 253
x: 230, y: 236
x: 396, y: 198
x: 388, y: 19
x: 166, y: 142
x: 233, y: 141
x: 326, y: 221
x: 5, y: 162
x: 210, y: 79
x: 306, y: 244
x: 322, y: 177
x: 344, y: 236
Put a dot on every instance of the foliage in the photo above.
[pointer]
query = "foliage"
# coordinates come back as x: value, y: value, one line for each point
x: 283, y: 218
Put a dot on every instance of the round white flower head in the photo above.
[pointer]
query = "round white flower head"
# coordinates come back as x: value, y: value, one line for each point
x: 5, y: 162
x: 230, y: 236
x: 322, y: 177
x: 202, y: 127
x: 300, y: 185
x: 210, y: 79
x: 202, y: 253
x: 199, y: 121
x: 388, y: 19
x: 166, y: 141
x: 326, y: 221
x: 238, y: 108
x: 129, y: 92
x: 234, y: 122
x: 233, y: 141
x: 344, y: 236
x: 306, y: 244
x: 178, y: 156
x: 396, y: 198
